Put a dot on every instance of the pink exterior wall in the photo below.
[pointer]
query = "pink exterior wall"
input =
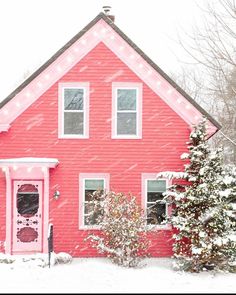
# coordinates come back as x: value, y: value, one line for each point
x: 35, y: 134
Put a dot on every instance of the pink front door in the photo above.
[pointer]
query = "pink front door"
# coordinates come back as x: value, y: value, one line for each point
x: 27, y: 218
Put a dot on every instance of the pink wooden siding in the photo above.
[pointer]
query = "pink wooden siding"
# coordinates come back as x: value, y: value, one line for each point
x: 35, y: 134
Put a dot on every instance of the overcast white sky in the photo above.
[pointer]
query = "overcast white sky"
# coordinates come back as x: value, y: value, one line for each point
x: 33, y: 30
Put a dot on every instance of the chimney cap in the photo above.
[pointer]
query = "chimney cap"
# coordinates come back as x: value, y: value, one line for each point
x: 106, y: 9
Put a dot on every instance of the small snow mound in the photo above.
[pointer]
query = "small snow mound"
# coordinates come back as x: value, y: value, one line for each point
x: 34, y: 260
x: 63, y: 257
x: 38, y: 259
x: 4, y: 258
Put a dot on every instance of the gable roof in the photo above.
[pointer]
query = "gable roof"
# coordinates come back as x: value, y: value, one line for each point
x: 102, y: 16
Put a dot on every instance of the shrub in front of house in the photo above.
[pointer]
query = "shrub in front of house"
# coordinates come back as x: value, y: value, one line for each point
x: 123, y: 228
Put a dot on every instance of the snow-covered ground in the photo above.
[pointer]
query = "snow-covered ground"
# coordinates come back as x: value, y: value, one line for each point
x: 98, y: 275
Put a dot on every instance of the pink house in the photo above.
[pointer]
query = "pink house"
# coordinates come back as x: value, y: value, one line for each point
x: 98, y: 114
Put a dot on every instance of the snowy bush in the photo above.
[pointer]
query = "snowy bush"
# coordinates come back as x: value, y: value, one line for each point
x: 62, y: 258
x: 123, y: 229
x: 203, y: 217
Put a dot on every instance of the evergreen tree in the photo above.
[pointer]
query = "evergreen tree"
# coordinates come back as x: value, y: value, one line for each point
x: 203, y: 216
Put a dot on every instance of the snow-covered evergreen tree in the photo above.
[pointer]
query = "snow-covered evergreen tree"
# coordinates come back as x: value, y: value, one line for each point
x: 203, y: 216
x: 123, y: 228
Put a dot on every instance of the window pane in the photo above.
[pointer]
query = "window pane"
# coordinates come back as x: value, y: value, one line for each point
x: 126, y: 99
x: 92, y: 209
x: 153, y: 197
x: 92, y: 219
x: 94, y: 184
x: 27, y: 188
x: 156, y: 185
x: 156, y: 214
x: 73, y: 99
x: 126, y: 124
x: 88, y: 207
x: 73, y: 123
x: 27, y: 204
x: 88, y: 195
x: 27, y: 234
x: 27, y: 200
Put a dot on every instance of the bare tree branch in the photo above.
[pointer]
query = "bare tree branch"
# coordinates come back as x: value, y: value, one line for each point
x: 211, y: 48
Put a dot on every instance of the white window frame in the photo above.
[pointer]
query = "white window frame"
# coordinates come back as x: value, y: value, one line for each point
x: 145, y: 178
x: 82, y: 178
x: 61, y: 110
x: 138, y: 88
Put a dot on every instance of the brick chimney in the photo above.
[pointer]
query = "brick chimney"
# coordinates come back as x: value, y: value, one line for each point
x: 107, y: 10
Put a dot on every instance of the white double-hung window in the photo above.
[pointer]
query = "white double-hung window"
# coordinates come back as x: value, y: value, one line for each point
x: 88, y: 184
x: 156, y: 208
x: 126, y: 110
x: 73, y: 110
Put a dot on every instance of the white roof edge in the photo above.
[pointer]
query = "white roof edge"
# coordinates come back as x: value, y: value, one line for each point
x: 73, y: 54
x: 4, y: 127
x: 49, y: 162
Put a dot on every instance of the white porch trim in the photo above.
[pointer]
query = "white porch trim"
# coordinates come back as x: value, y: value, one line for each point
x: 28, y: 161
x: 27, y: 168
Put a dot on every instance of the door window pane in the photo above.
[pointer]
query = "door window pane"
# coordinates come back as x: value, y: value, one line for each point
x: 27, y: 235
x: 27, y: 200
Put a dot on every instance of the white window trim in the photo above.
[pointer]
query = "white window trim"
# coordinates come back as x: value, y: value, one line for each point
x: 145, y: 178
x: 82, y: 178
x: 75, y: 85
x: 127, y: 85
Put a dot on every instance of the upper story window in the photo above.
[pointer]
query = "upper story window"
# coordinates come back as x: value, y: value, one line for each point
x: 127, y: 110
x: 73, y: 110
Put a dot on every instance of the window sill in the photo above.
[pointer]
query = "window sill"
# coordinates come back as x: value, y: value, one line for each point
x: 149, y: 227
x: 159, y: 227
x: 73, y: 136
x: 126, y: 137
x: 91, y: 227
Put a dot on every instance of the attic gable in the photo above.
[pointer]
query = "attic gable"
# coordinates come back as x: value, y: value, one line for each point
x: 102, y: 29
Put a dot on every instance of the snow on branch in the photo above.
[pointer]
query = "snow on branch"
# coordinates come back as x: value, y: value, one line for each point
x: 209, y: 214
x: 184, y: 156
x: 172, y: 174
x: 102, y: 247
x: 228, y: 180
